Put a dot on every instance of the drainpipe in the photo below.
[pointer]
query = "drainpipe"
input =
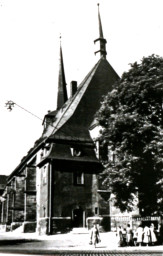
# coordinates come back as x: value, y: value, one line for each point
x: 50, y: 198
x: 2, y: 212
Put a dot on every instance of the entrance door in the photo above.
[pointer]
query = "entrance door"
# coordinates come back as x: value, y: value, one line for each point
x: 78, y: 218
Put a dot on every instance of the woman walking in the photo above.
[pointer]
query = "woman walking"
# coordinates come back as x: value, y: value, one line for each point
x: 95, y: 235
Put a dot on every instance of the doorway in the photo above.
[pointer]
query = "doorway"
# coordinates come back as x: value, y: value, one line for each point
x: 78, y: 218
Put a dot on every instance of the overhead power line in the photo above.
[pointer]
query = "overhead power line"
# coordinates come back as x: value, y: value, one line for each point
x: 10, y: 105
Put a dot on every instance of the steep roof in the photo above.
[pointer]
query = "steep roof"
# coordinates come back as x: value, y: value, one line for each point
x: 75, y: 117
x: 72, y: 121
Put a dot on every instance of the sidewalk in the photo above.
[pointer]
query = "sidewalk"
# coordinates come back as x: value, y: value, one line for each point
x: 73, y: 242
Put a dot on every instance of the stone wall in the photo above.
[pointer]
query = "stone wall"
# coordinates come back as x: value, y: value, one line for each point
x: 19, y: 193
x: 68, y: 196
x: 30, y: 194
x: 30, y: 207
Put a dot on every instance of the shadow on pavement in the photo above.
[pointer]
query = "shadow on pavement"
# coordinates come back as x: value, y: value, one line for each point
x: 16, y: 242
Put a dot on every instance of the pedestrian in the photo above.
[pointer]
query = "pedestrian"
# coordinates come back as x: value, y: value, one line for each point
x: 129, y: 235
x: 94, y: 235
x: 124, y: 232
x: 119, y: 235
x: 146, y: 239
x: 152, y: 234
x: 139, y: 235
x: 135, y: 236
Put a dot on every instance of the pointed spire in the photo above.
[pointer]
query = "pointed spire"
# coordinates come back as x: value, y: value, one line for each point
x: 101, y: 39
x: 100, y: 24
x: 62, y: 91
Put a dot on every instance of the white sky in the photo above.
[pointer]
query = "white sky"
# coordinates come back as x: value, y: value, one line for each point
x: 29, y: 54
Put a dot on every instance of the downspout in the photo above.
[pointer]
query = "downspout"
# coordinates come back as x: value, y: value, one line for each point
x: 50, y: 199
x: 2, y: 212
x: 7, y: 206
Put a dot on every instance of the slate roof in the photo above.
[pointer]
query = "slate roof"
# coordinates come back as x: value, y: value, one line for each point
x: 71, y: 121
x: 77, y: 114
x: 63, y: 152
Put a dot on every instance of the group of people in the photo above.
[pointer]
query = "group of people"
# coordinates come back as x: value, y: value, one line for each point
x: 143, y: 235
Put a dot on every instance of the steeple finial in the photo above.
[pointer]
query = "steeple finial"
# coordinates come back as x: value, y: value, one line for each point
x: 101, y: 39
x: 62, y: 91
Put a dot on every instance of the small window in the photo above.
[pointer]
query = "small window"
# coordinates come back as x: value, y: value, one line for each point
x: 79, y: 178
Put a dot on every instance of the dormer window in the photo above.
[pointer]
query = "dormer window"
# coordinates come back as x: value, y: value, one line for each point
x: 76, y: 152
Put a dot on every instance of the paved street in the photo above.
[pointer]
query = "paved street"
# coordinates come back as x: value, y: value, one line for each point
x: 69, y: 244
x: 91, y: 253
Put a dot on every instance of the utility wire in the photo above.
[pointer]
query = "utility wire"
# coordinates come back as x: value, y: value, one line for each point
x: 10, y: 105
x: 28, y: 112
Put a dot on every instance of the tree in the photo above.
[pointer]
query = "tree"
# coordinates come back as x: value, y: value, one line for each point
x: 131, y: 117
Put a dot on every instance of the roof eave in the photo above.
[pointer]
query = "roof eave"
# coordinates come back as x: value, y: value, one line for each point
x: 22, y: 164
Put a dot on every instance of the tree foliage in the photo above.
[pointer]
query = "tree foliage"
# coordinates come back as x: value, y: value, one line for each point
x: 131, y: 116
